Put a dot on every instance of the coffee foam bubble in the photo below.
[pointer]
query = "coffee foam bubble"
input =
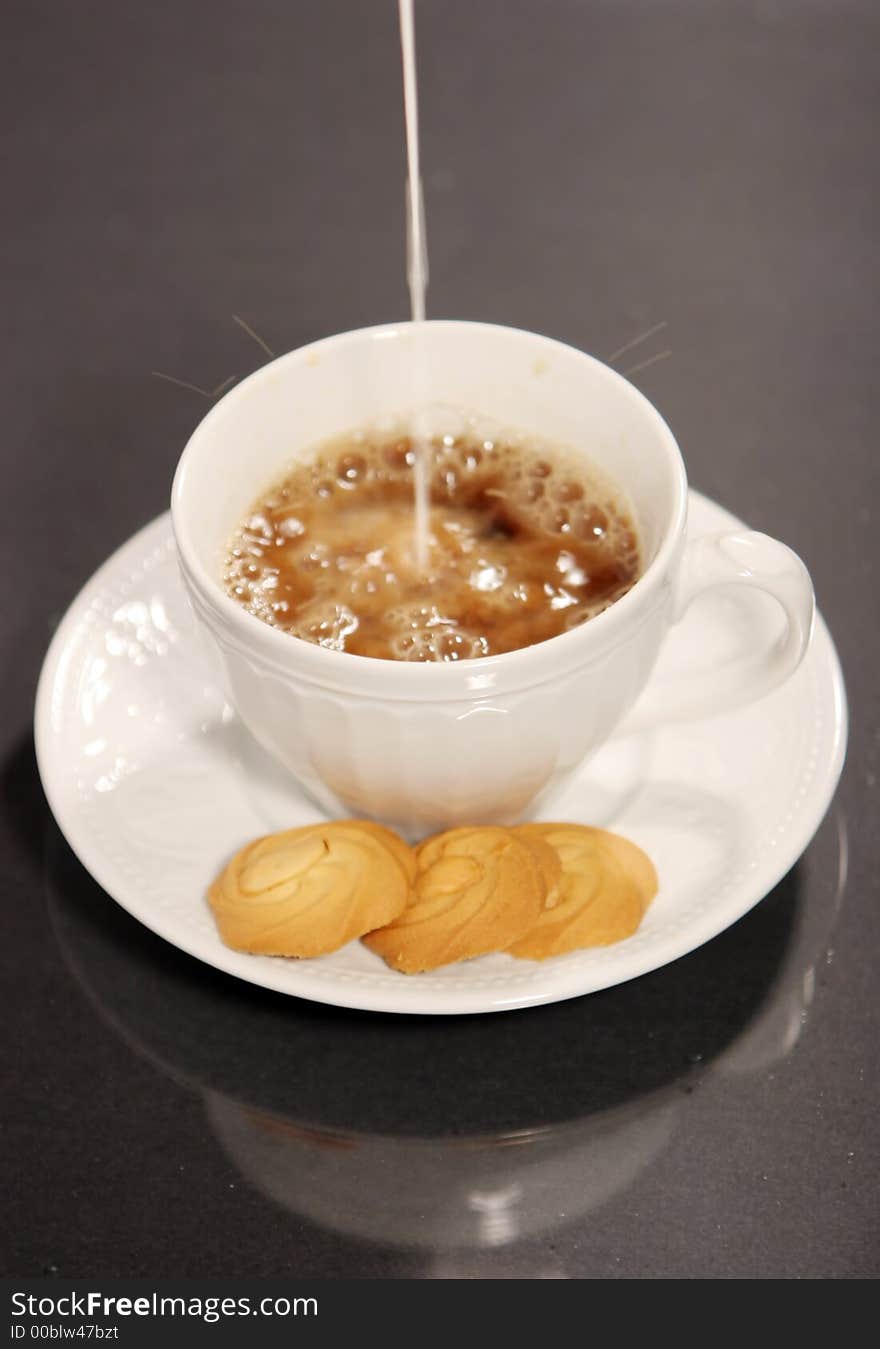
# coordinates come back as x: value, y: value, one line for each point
x: 421, y: 632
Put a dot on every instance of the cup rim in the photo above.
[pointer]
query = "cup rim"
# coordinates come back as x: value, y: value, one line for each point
x: 424, y: 679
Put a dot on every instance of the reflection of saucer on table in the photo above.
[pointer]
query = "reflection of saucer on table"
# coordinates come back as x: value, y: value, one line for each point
x: 155, y: 783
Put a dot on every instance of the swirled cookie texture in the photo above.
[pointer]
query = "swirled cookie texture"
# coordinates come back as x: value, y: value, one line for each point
x: 402, y: 851
x: 306, y: 891
x: 476, y: 890
x: 549, y: 865
x: 606, y: 885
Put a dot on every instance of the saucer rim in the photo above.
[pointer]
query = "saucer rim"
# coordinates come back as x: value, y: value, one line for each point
x: 435, y: 999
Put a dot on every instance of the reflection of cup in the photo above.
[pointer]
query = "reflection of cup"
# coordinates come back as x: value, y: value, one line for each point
x: 429, y: 745
x: 465, y: 1192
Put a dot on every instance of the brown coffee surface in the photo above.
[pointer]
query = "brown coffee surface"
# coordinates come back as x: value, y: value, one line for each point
x: 524, y: 544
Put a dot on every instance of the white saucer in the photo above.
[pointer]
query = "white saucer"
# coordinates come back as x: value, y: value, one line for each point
x: 154, y: 784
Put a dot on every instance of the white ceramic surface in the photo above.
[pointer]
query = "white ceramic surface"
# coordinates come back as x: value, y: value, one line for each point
x: 155, y: 782
x: 424, y: 746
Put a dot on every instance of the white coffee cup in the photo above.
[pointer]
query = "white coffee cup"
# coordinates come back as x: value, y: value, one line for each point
x: 424, y: 746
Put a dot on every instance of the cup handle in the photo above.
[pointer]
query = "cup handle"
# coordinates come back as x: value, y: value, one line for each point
x: 746, y: 558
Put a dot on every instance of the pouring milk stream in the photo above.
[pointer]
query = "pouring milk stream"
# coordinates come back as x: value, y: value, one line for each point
x: 417, y: 273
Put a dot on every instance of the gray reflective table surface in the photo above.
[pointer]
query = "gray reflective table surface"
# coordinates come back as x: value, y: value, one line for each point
x: 591, y: 170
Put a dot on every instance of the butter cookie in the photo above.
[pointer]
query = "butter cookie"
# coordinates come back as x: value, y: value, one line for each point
x: 477, y: 889
x: 307, y: 891
x: 607, y: 884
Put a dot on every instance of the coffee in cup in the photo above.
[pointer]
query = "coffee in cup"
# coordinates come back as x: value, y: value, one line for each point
x: 525, y: 541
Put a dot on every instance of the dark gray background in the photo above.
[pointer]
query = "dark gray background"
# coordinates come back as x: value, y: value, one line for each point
x: 591, y: 169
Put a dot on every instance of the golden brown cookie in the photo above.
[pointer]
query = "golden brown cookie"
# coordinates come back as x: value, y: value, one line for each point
x: 607, y: 884
x: 477, y: 890
x: 402, y: 851
x: 307, y: 891
x: 548, y: 863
